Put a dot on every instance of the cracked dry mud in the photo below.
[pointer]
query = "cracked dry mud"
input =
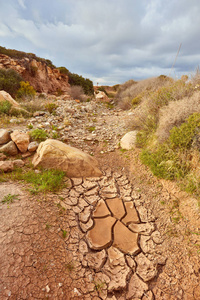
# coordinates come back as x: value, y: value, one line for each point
x: 100, y: 254
x: 111, y: 237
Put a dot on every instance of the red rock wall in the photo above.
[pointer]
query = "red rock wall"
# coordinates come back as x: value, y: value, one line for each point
x: 40, y: 76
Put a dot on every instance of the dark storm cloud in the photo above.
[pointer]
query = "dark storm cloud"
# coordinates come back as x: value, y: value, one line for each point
x: 107, y: 41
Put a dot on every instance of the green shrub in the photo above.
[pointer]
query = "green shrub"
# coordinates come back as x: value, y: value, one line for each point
x: 51, y: 107
x: 182, y: 136
x: 44, y: 181
x: 78, y: 80
x: 25, y: 90
x: 5, y: 107
x: 10, y: 81
x: 47, y: 180
x: 165, y: 163
x: 38, y: 135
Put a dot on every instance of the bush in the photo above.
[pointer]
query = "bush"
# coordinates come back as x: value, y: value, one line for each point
x: 51, y: 107
x: 165, y: 163
x: 5, y: 107
x: 175, y: 114
x: 132, y: 89
x: 76, y: 92
x: 38, y: 135
x: 25, y: 90
x: 182, y: 137
x: 10, y: 81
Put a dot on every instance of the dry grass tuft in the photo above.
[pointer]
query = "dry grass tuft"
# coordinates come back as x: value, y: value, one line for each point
x: 129, y: 92
x: 175, y: 114
x: 77, y: 92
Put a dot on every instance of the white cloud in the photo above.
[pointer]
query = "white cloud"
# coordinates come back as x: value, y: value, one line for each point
x: 109, y: 41
x: 22, y: 3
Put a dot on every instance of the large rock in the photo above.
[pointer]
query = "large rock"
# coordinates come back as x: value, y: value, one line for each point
x: 128, y: 140
x: 4, y: 136
x: 57, y: 155
x: 21, y: 139
x: 101, y: 96
x: 4, y: 96
x: 9, y: 148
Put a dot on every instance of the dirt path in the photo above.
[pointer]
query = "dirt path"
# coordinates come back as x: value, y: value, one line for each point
x: 45, y: 252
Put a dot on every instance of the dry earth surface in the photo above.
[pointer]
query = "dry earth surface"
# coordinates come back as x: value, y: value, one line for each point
x: 125, y: 235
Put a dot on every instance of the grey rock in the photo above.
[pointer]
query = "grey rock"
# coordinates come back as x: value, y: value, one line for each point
x: 4, y: 136
x: 9, y: 148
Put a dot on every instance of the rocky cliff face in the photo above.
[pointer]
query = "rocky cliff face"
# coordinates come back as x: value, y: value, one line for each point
x: 41, y: 77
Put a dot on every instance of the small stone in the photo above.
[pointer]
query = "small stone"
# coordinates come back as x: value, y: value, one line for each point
x: 27, y: 154
x: 33, y: 146
x: 76, y: 181
x: 100, y: 236
x: 128, y: 140
x: 47, y: 289
x: 116, y: 207
x: 6, y: 166
x: 18, y: 163
x: 76, y: 292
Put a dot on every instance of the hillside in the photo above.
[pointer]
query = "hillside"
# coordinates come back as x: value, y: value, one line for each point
x: 41, y: 73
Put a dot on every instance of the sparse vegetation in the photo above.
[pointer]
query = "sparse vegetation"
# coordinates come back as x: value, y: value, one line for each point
x: 38, y: 134
x: 9, y: 198
x: 78, y: 80
x: 10, y: 81
x: 44, y: 181
x: 5, y: 107
x: 51, y: 107
x: 26, y: 91
x: 20, y: 55
x: 167, y: 117
x: 77, y: 92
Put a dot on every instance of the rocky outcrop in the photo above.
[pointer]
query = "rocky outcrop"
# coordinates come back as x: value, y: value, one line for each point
x: 40, y: 76
x: 13, y: 142
x: 101, y: 96
x: 57, y: 155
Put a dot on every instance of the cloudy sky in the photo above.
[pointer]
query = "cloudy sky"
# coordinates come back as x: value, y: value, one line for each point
x: 108, y: 41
